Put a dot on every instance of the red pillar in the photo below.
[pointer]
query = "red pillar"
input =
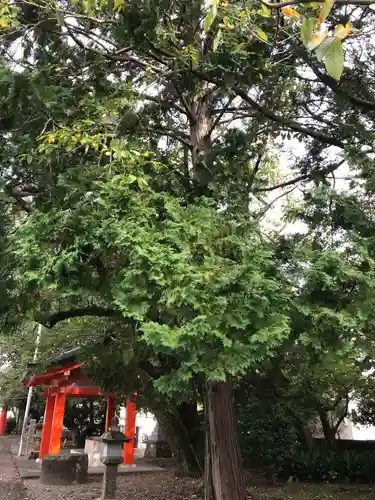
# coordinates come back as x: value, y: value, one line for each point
x: 131, y: 411
x: 57, y: 424
x: 47, y: 425
x: 110, y: 412
x: 3, y: 421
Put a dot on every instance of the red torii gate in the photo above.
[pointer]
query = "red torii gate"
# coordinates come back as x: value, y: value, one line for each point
x: 70, y: 381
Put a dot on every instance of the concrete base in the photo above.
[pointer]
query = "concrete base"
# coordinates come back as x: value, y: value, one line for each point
x: 58, y: 469
x: 29, y: 469
x: 157, y: 449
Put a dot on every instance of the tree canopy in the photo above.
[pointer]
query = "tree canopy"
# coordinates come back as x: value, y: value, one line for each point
x: 142, y: 147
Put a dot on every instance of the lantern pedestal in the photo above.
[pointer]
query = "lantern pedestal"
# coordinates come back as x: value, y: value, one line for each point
x: 112, y: 457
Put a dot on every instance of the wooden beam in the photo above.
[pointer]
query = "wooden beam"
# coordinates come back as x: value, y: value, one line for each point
x: 56, y: 374
x: 57, y: 424
x: 3, y: 421
x: 47, y: 425
x: 110, y: 411
x: 131, y: 412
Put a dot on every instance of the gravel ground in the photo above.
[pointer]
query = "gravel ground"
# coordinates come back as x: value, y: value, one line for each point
x: 158, y: 486
x: 11, y: 486
x: 165, y: 486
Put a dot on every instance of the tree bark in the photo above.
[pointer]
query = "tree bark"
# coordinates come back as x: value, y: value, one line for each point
x: 304, y: 435
x: 328, y: 431
x: 179, y: 432
x: 208, y: 486
x: 225, y: 456
x: 200, y: 140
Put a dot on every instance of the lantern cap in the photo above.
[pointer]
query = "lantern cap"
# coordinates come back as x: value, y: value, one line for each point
x: 114, y: 435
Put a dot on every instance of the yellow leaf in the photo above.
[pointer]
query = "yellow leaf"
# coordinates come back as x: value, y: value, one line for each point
x: 325, y: 9
x: 342, y: 31
x: 210, y: 18
x: 289, y: 12
x: 308, y: 27
x: 317, y: 39
x: 261, y: 34
x: 334, y: 59
x: 3, y: 23
x: 51, y: 139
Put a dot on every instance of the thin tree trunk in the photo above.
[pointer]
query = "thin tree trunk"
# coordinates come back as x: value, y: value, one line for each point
x: 304, y: 435
x: 208, y: 486
x: 328, y: 431
x: 227, y: 474
x: 179, y: 438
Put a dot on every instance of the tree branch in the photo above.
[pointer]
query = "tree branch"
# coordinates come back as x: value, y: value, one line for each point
x: 178, y: 136
x: 161, y: 102
x: 113, y: 56
x: 316, y: 134
x: 255, y: 170
x: 335, y: 87
x: 52, y: 320
x: 304, y: 177
x: 185, y: 104
x: 344, y: 414
x: 279, y: 5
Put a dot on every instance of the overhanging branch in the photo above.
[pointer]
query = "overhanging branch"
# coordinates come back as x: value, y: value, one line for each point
x: 100, y: 312
x: 305, y: 177
x: 316, y: 134
x: 279, y: 5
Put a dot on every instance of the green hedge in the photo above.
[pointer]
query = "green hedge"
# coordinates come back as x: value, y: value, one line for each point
x: 10, y: 425
x: 330, y: 466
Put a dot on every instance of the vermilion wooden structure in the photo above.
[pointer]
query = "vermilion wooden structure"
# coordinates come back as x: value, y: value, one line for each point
x: 70, y: 381
x: 3, y: 421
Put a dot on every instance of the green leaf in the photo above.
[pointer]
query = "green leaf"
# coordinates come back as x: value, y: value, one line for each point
x: 334, y: 59
x: 326, y: 9
x: 118, y: 4
x: 264, y: 12
x: 307, y: 30
x: 210, y: 18
x: 323, y: 48
x: 131, y: 178
x: 263, y: 35
x: 29, y: 159
x: 60, y: 17
x: 216, y: 41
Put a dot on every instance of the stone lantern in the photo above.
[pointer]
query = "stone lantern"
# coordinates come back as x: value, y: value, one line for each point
x: 112, y: 457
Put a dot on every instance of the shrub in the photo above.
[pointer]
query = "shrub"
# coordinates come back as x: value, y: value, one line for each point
x: 330, y: 466
x: 10, y: 425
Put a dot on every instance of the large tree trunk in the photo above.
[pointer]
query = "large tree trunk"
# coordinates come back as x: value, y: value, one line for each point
x: 223, y: 446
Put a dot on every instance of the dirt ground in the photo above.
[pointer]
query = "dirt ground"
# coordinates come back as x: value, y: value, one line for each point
x: 165, y: 486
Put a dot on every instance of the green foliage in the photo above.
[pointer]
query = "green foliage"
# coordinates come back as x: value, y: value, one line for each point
x: 84, y: 418
x: 10, y: 426
x: 136, y: 162
x: 265, y: 423
x: 200, y: 285
x: 321, y: 465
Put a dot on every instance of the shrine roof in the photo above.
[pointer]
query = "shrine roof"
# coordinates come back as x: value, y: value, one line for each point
x: 51, y: 374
